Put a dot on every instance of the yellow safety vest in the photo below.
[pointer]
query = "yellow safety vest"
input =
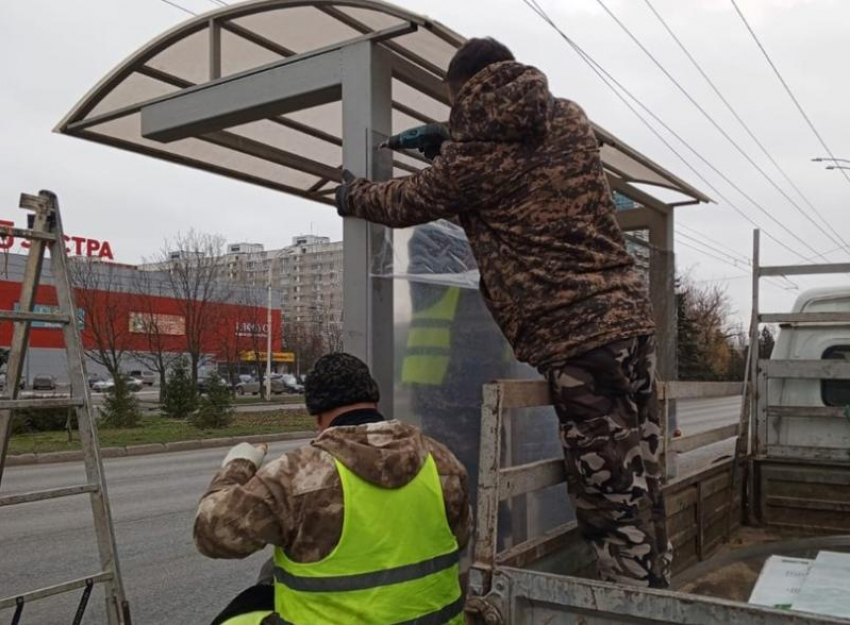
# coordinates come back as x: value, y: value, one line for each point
x: 429, y: 341
x: 250, y: 618
x: 396, y: 561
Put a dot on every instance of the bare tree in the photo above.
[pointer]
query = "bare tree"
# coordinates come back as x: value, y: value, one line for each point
x: 253, y: 328
x: 103, y: 296
x: 195, y: 279
x: 304, y: 338
x: 708, y: 338
x: 334, y: 336
x: 242, y: 332
x: 164, y: 336
x: 228, y: 346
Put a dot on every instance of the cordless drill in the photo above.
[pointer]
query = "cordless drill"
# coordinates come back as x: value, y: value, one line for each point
x: 426, y: 138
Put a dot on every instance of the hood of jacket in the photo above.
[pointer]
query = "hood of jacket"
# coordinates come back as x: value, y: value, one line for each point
x: 507, y: 101
x: 388, y: 453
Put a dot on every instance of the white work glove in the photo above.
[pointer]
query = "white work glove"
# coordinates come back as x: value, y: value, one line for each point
x: 247, y: 451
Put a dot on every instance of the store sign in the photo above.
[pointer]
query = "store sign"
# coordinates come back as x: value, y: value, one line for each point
x: 250, y: 328
x: 146, y: 323
x: 276, y: 357
x: 79, y: 246
x: 52, y: 310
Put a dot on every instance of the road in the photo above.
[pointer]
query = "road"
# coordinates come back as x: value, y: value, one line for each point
x: 697, y: 415
x: 153, y: 501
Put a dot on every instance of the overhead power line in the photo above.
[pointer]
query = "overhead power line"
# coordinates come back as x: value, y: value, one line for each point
x: 787, y: 88
x: 735, y: 258
x: 714, y: 122
x: 743, y: 124
x: 722, y: 259
x: 791, y: 285
x: 610, y: 82
x: 179, y: 7
x: 714, y: 241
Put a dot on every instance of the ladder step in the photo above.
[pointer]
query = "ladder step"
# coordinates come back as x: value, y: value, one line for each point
x: 32, y: 202
x: 41, y: 402
x: 23, y: 233
x: 51, y: 493
x: 20, y: 315
x: 49, y: 591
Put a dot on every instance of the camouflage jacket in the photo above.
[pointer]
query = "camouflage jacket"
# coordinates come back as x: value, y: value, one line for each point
x: 295, y: 502
x: 523, y: 175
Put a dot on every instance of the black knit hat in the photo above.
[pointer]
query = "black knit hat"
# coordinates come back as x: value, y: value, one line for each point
x: 339, y: 380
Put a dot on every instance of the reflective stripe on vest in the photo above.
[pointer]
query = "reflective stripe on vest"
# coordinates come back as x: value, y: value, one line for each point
x: 250, y: 618
x: 396, y: 560
x: 426, y: 360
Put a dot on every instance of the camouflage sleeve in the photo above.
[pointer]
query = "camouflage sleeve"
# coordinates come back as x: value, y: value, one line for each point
x: 455, y: 491
x: 427, y: 195
x: 238, y: 514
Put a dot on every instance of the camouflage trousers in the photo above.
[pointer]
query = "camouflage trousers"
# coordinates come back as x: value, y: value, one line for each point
x: 611, y: 435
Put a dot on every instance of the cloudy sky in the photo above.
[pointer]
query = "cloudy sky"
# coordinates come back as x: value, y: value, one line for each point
x: 53, y: 51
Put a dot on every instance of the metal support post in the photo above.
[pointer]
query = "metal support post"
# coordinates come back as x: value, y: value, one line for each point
x: 366, y: 120
x: 662, y: 292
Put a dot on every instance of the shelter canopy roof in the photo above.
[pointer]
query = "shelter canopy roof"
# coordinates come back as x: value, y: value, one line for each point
x: 298, y: 152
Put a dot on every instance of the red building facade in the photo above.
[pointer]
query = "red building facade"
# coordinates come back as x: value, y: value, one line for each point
x: 231, y: 332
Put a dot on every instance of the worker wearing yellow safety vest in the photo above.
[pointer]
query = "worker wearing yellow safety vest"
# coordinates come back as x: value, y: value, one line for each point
x: 366, y: 522
x: 453, y: 346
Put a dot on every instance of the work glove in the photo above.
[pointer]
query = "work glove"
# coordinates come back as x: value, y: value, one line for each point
x: 341, y: 193
x: 247, y: 451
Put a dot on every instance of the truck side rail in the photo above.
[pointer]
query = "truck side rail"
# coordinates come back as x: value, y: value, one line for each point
x: 505, y: 588
x: 690, y: 497
x: 671, y: 391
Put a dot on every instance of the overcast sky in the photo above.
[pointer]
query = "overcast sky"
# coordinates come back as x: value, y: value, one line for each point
x: 53, y: 51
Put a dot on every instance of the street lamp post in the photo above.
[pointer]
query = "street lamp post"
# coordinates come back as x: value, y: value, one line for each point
x: 829, y: 159
x: 269, y: 337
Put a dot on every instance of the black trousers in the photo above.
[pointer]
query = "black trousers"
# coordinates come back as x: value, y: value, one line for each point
x: 254, y: 599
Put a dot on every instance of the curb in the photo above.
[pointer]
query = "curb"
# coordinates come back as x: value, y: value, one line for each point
x: 154, y: 448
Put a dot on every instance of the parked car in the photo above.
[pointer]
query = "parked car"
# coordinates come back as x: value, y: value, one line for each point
x: 93, y: 379
x: 103, y: 386
x: 43, y: 382
x: 292, y: 384
x: 203, y: 385
x: 148, y: 378
x: 252, y: 387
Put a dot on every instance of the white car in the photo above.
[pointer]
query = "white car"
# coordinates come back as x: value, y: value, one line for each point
x: 103, y: 386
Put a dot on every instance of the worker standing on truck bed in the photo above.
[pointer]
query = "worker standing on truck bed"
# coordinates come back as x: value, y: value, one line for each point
x: 367, y: 521
x: 522, y: 174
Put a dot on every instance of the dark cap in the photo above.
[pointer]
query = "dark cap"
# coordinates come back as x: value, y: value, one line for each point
x: 339, y: 380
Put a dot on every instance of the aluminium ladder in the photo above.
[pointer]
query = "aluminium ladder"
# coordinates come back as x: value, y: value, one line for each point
x: 45, y: 234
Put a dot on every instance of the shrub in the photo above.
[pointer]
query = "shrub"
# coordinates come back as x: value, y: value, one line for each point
x: 120, y: 408
x: 215, y: 409
x: 41, y: 420
x: 181, y: 397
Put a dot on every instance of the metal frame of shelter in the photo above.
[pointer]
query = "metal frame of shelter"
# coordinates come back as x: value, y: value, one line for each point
x: 284, y: 93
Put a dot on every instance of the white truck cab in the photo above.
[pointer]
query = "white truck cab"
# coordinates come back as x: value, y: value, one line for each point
x: 812, y: 341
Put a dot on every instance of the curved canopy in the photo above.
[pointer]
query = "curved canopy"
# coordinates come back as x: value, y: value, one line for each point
x: 298, y: 151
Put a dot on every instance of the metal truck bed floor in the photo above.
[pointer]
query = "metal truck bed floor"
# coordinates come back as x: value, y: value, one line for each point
x: 732, y: 572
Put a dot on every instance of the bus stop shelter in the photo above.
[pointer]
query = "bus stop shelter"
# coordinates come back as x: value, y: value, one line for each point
x: 286, y: 93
